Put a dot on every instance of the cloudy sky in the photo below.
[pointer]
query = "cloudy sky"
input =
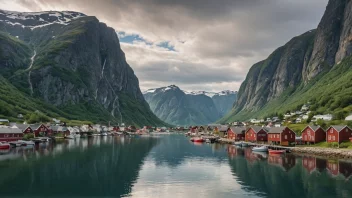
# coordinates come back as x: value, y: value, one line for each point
x: 195, y: 44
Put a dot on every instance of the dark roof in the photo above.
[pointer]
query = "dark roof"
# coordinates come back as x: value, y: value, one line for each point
x: 238, y: 130
x: 9, y: 130
x: 276, y: 129
x: 223, y: 128
x: 338, y: 127
x: 314, y: 127
x: 256, y: 129
x: 20, y: 126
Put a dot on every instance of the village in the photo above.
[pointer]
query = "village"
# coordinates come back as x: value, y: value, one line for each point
x: 16, y: 133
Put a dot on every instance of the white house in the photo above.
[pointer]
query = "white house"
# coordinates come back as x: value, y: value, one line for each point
x: 326, y: 117
x: 349, y: 118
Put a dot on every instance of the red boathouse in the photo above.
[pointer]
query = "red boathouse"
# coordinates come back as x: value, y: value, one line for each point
x: 257, y: 134
x: 313, y: 134
x: 338, y: 133
x: 281, y: 135
x: 236, y: 133
x: 10, y: 134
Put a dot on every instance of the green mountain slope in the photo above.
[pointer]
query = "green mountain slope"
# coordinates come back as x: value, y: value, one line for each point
x: 71, y: 63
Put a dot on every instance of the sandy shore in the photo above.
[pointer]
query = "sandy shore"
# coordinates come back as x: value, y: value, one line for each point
x: 325, y: 152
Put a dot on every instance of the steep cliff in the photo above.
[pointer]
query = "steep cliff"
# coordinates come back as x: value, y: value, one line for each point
x: 301, y: 68
x: 175, y: 106
x: 73, y: 62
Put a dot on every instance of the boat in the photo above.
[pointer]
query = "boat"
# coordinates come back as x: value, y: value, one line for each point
x: 238, y: 143
x: 244, y: 144
x: 207, y: 141
x: 71, y: 136
x: 260, y: 149
x: 26, y: 143
x: 4, y: 145
x: 104, y: 134
x: 271, y: 151
x: 199, y: 140
x: 15, y: 144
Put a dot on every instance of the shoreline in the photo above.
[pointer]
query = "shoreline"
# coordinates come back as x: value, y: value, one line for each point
x: 324, y: 152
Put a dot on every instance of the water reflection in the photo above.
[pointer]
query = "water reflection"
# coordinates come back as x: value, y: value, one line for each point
x: 167, y: 166
x: 87, y: 167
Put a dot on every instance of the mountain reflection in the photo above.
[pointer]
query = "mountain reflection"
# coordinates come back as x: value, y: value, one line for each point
x: 88, y: 167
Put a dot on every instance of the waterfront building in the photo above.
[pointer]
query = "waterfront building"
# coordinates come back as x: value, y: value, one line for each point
x: 281, y: 135
x: 256, y: 134
x: 236, y: 133
x: 313, y: 134
x: 338, y: 133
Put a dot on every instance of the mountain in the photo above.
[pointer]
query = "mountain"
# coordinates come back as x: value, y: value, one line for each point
x: 314, y: 67
x: 72, y: 63
x: 178, y: 107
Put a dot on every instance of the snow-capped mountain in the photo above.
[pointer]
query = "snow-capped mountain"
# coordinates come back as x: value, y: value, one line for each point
x: 179, y: 107
x: 33, y: 20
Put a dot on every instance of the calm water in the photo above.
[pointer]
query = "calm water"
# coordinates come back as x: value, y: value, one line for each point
x: 166, y: 166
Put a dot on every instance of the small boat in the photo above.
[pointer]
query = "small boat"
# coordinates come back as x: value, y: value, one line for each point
x: 238, y: 143
x: 26, y: 143
x: 199, y: 140
x: 15, y: 144
x: 244, y: 144
x: 104, y: 134
x: 70, y: 137
x: 4, y: 145
x: 207, y: 141
x: 271, y: 151
x: 260, y: 149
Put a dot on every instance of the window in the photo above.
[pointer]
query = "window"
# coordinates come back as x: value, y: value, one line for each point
x: 285, y: 137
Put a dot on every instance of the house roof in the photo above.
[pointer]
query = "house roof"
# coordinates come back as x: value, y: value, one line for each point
x: 10, y: 130
x: 238, y: 130
x: 338, y: 127
x: 276, y: 129
x: 4, y: 120
x: 314, y: 127
x: 20, y: 126
x: 256, y: 129
x: 223, y: 128
x: 58, y: 128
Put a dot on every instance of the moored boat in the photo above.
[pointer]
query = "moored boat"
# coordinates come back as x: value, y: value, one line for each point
x: 238, y: 143
x: 260, y: 149
x: 199, y: 140
x: 271, y: 151
x: 4, y: 145
x: 244, y: 144
x: 26, y: 143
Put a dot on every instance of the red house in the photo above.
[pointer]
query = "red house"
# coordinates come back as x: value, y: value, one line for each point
x: 40, y: 129
x: 256, y: 134
x: 10, y: 134
x: 281, y: 135
x: 236, y: 133
x: 313, y: 134
x: 338, y: 134
x: 25, y: 128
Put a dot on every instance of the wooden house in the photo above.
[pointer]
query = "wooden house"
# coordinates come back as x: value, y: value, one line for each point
x: 313, y: 134
x: 8, y: 134
x: 25, y: 128
x: 281, y: 136
x: 40, y: 130
x: 223, y: 131
x: 338, y: 133
x: 236, y: 133
x: 256, y: 134
x: 60, y: 129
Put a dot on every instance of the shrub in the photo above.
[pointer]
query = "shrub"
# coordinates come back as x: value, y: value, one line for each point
x: 28, y: 136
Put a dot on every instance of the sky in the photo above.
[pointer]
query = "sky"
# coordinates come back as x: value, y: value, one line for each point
x: 195, y: 44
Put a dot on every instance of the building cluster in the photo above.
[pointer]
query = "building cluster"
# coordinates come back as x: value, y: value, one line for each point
x: 282, y: 135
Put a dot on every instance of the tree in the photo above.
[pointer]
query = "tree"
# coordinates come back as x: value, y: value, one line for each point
x: 321, y: 123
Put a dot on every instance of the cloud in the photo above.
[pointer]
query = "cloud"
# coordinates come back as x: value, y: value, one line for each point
x: 196, y: 44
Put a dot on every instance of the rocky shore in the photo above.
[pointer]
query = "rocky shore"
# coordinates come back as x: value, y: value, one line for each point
x: 324, y: 152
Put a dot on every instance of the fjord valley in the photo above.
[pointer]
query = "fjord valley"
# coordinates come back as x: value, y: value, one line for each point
x: 178, y: 107
x: 313, y: 68
x: 67, y: 65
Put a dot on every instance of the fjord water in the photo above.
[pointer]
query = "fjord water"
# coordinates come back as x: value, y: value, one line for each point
x: 166, y: 166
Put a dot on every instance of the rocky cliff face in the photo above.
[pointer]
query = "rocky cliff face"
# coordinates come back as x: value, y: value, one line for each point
x: 270, y: 78
x: 296, y: 66
x: 175, y: 106
x: 74, y: 60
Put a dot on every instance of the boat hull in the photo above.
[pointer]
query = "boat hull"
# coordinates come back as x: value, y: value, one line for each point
x: 276, y: 152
